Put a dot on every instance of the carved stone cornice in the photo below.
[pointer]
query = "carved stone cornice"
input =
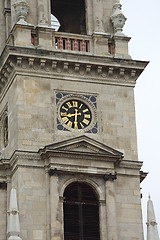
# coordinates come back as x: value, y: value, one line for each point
x: 57, y: 166
x: 24, y: 159
x: 80, y: 155
x: 105, y: 70
x: 24, y: 155
x: 130, y: 164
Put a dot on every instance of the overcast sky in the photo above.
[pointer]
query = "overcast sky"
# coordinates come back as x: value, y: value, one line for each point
x: 143, y: 25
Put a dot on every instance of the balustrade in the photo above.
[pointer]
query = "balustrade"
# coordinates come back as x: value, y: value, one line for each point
x: 72, y: 44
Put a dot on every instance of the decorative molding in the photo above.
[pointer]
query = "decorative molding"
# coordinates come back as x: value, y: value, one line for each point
x: 130, y: 164
x: 100, y: 70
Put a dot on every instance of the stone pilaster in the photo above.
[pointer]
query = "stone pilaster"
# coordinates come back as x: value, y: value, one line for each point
x: 54, y: 202
x: 102, y: 215
x: 48, y: 212
x: 111, y: 207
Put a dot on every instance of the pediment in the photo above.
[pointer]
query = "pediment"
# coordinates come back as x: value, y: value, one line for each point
x: 83, y: 144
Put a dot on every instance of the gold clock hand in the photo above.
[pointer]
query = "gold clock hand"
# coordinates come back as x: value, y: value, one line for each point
x: 70, y: 115
x: 75, y: 118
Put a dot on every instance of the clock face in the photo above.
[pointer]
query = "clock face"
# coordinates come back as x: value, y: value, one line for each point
x: 75, y: 114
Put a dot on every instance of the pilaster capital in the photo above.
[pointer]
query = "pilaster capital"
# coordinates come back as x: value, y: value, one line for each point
x: 3, y: 185
x: 54, y: 172
x: 110, y: 176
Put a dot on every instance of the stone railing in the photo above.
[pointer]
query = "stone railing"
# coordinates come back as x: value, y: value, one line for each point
x: 72, y: 42
x: 97, y: 44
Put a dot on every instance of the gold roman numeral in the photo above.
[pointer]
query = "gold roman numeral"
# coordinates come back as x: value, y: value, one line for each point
x: 80, y: 105
x: 65, y: 119
x: 87, y: 116
x: 85, y: 110
x: 69, y: 124
x: 63, y: 114
x: 66, y: 109
x: 69, y: 104
x: 85, y: 121
x: 82, y: 125
x: 75, y: 104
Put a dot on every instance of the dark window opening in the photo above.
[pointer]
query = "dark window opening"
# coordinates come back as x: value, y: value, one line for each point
x: 81, y: 213
x: 5, y: 132
x: 70, y: 14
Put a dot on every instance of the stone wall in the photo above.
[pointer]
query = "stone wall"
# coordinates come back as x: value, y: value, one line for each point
x: 33, y: 114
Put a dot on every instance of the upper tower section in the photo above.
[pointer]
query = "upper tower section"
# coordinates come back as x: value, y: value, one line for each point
x: 59, y: 84
x: 90, y: 26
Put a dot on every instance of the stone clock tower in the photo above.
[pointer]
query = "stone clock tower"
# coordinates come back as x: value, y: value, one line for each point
x: 68, y: 165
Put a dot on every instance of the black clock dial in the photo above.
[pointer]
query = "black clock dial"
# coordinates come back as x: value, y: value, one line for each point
x: 75, y: 114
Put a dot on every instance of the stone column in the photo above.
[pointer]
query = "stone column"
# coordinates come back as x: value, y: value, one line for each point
x: 111, y: 207
x: 54, y: 205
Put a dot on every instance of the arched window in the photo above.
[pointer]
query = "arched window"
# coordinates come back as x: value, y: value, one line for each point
x: 70, y: 14
x: 81, y: 213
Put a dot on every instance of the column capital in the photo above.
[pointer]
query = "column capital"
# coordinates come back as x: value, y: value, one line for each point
x: 110, y: 176
x: 3, y: 185
x: 54, y: 172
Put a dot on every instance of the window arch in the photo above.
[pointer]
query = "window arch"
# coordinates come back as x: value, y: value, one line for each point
x: 81, y: 212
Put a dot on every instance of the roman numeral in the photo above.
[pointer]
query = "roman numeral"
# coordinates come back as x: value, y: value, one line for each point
x: 75, y: 104
x: 66, y: 109
x: 85, y: 110
x: 69, y: 104
x: 82, y: 125
x: 87, y: 116
x: 80, y: 105
x: 86, y: 121
x: 63, y: 114
x: 69, y: 124
x: 65, y: 119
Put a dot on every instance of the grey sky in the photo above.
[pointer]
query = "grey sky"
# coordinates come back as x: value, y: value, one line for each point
x: 143, y: 25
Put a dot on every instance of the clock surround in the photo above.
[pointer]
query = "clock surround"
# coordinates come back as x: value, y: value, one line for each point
x: 76, y: 113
